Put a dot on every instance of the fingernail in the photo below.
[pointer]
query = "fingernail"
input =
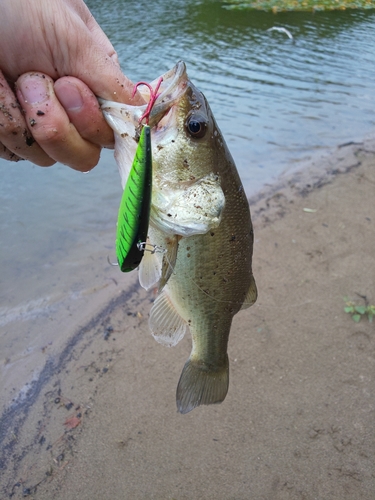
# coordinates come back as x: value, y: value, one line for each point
x: 33, y: 89
x: 69, y: 96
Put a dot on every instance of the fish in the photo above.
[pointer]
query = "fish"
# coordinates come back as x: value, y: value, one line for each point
x: 199, y: 247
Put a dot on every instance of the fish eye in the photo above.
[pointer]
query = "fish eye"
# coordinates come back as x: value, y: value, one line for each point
x: 196, y: 127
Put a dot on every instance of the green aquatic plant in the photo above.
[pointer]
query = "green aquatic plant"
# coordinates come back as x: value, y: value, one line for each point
x: 298, y: 5
x: 357, y: 311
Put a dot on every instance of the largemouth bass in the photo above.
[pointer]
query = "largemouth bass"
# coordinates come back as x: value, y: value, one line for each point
x: 200, y: 240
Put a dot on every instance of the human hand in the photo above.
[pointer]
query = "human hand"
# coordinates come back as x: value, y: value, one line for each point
x: 46, y: 116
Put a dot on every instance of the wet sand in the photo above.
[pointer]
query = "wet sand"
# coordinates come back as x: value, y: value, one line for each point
x: 298, y: 422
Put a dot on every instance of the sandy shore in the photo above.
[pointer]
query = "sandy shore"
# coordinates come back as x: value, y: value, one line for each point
x: 299, y: 418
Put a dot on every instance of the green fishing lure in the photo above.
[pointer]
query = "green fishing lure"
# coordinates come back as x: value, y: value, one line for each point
x: 134, y: 211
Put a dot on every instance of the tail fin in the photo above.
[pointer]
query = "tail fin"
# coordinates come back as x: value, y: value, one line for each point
x: 201, y: 385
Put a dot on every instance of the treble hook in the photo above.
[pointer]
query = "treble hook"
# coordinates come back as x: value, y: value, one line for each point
x: 111, y: 263
x: 153, y: 96
x: 145, y: 246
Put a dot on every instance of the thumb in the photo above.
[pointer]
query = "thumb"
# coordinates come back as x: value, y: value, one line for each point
x: 98, y: 67
x: 102, y: 74
x: 106, y: 80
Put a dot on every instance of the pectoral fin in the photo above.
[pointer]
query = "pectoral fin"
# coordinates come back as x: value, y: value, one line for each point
x: 166, y: 325
x: 158, y: 263
x: 252, y: 294
x: 169, y: 260
x: 150, y: 268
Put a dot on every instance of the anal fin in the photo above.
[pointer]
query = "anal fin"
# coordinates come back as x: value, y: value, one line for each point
x: 166, y: 325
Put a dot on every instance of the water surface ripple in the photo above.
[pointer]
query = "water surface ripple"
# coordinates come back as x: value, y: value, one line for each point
x: 276, y: 101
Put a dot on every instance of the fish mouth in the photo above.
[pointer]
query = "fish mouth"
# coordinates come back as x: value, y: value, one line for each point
x: 172, y: 87
x: 125, y: 119
x: 163, y: 115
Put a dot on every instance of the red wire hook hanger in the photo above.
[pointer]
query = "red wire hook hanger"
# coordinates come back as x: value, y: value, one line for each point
x: 153, y: 96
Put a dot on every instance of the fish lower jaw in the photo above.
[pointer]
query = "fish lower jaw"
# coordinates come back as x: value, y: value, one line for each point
x: 170, y: 225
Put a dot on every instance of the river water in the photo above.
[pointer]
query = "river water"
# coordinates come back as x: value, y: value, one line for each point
x: 277, y: 101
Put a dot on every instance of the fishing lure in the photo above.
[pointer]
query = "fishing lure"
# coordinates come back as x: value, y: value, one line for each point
x: 134, y: 211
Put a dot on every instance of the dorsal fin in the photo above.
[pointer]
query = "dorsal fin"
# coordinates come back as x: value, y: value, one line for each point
x: 251, y: 295
x: 166, y: 325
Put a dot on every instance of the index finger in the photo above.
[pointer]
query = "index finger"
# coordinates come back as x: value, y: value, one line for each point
x: 15, y: 136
